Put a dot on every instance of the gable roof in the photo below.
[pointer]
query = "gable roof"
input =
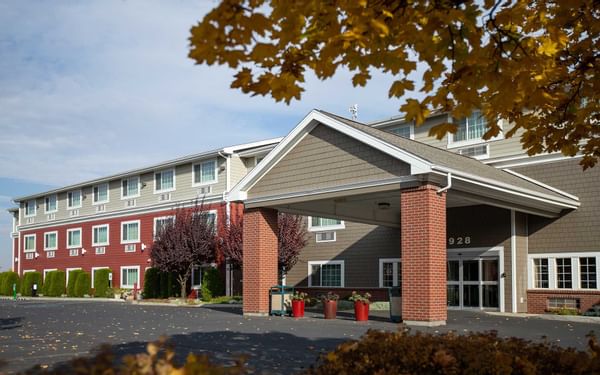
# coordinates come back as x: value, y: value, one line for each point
x: 423, y: 158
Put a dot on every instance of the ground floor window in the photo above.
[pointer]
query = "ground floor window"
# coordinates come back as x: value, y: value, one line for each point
x: 390, y: 273
x: 326, y: 273
x: 588, y: 273
x: 541, y: 274
x: 130, y: 276
x: 196, y: 277
x: 564, y: 275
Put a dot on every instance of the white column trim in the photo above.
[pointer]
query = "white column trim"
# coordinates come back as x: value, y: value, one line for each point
x: 513, y: 261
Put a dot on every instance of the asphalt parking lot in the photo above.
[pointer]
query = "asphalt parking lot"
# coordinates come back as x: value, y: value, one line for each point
x: 52, y: 332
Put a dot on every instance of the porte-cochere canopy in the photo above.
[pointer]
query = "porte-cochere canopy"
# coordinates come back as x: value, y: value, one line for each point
x: 330, y: 166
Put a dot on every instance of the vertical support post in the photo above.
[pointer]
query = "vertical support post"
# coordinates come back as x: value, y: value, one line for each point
x: 423, y: 238
x: 260, y: 259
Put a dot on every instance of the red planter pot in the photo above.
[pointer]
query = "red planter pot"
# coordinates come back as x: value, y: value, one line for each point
x: 297, y: 308
x: 330, y: 309
x: 361, y: 311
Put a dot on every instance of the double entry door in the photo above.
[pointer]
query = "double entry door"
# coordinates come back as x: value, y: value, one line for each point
x: 473, y: 282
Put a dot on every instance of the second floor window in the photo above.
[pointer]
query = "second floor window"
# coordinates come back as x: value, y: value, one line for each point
x: 73, y: 238
x: 51, y: 204
x: 130, y: 232
x: 30, y: 208
x: 472, y: 127
x: 74, y: 199
x: 100, y: 235
x: 130, y: 187
x: 164, y: 181
x: 101, y: 193
x: 30, y: 242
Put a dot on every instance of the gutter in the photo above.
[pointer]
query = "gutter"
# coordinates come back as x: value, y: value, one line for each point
x: 448, y: 184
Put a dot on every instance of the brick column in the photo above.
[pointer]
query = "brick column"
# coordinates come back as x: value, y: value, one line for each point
x: 423, y: 228
x: 260, y: 259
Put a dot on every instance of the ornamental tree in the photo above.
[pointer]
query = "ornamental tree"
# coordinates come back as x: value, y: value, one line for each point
x: 291, y: 238
x: 533, y: 63
x: 186, y: 241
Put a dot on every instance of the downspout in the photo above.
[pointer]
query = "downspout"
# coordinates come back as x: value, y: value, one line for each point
x: 448, y: 183
x: 227, y: 157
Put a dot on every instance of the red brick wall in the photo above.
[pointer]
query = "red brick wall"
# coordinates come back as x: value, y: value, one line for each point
x: 260, y: 259
x: 115, y: 256
x: 537, y: 300
x: 423, y: 227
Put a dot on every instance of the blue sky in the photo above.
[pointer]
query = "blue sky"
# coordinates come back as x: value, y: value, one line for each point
x: 97, y: 87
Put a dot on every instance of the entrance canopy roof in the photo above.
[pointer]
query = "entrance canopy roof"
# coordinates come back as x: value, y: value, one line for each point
x: 335, y: 167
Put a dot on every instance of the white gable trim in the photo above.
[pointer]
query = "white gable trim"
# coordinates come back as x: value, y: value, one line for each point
x: 314, y: 118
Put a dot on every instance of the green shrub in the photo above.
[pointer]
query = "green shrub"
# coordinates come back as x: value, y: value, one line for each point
x: 73, y: 274
x: 55, y: 283
x: 10, y: 278
x: 2, y: 277
x: 212, y: 285
x: 400, y: 352
x: 47, y: 282
x: 82, y: 284
x: 102, y: 284
x: 29, y: 279
x: 169, y: 287
x: 152, y: 283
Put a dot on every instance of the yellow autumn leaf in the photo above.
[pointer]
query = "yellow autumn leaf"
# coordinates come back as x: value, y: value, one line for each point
x: 381, y: 27
x: 548, y: 47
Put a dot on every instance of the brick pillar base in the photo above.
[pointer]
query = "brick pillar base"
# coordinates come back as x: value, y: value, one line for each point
x: 260, y: 259
x: 423, y: 227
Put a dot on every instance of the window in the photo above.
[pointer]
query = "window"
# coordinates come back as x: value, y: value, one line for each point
x: 321, y: 223
x: 196, y: 277
x: 205, y: 172
x: 470, y: 128
x: 51, y: 240
x: 390, y: 273
x: 100, y: 235
x: 325, y: 237
x: 563, y: 303
x: 74, y: 199
x: 130, y: 187
x: 161, y: 222
x: 130, y: 231
x: 30, y: 207
x: 50, y: 204
x: 73, y: 238
x: 130, y: 276
x: 326, y: 273
x: 100, y: 194
x: 564, y: 277
x: 210, y: 217
x: 405, y: 131
x: 540, y: 273
x: 164, y: 181
x: 588, y: 273
x: 29, y: 243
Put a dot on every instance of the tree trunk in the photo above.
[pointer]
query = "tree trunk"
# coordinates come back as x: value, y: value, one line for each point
x: 182, y: 282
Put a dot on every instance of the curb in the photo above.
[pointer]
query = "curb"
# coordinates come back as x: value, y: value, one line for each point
x: 63, y: 299
x: 562, y: 318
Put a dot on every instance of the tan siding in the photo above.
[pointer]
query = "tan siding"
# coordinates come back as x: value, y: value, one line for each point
x: 326, y: 158
x: 575, y: 230
x: 359, y: 245
x: 521, y: 261
x: 238, y: 169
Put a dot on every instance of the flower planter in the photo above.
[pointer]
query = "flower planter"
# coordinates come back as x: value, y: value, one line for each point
x: 330, y: 309
x: 361, y: 311
x: 298, y: 308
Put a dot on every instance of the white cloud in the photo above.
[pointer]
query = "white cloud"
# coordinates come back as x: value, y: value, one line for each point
x: 92, y: 88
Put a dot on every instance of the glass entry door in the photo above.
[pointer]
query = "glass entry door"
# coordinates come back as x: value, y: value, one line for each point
x: 473, y: 283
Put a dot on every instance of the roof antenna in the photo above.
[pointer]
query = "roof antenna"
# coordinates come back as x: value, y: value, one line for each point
x: 354, y: 111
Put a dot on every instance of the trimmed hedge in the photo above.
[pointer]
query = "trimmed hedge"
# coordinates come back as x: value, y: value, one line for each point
x: 152, y: 283
x: 9, y: 278
x: 54, y: 285
x: 2, y: 277
x: 169, y: 287
x: 83, y: 284
x: 101, y: 283
x: 212, y: 285
x: 28, y: 280
x: 73, y: 274
x: 401, y: 352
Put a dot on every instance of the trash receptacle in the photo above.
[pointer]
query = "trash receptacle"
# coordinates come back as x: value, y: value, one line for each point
x: 281, y: 300
x: 34, y: 290
x: 395, y: 304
